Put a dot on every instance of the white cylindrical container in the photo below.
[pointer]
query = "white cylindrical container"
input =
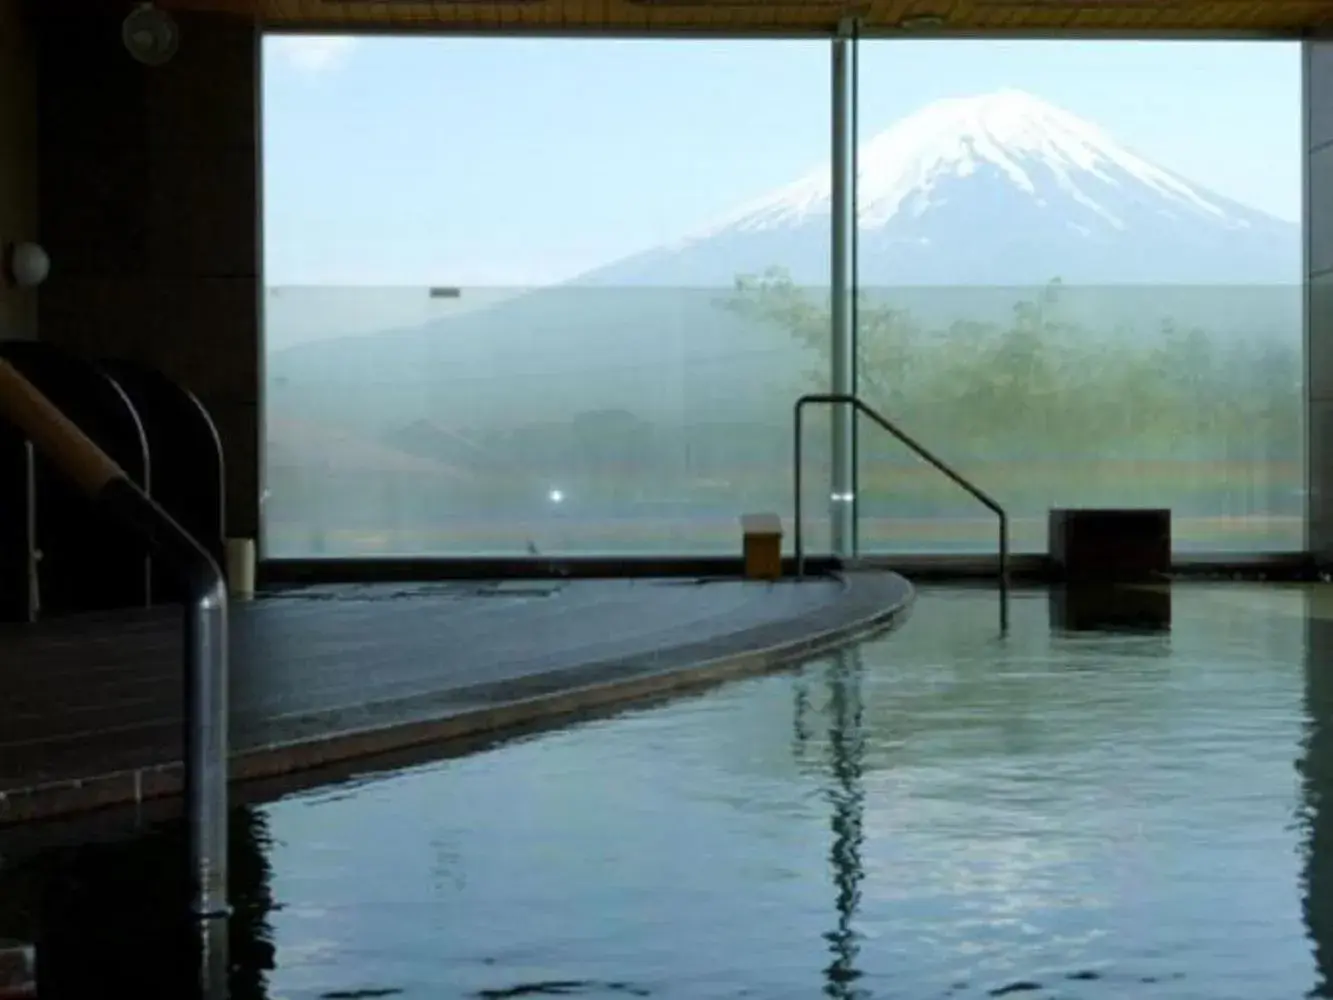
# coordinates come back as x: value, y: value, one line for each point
x: 241, y: 568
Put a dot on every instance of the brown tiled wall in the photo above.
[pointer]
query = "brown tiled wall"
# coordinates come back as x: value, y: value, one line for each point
x: 149, y: 184
x: 18, y: 158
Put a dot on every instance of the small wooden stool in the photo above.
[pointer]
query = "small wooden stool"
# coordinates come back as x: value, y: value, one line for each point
x: 761, y: 536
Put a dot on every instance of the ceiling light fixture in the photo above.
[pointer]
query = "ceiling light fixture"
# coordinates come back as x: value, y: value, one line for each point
x: 150, y: 35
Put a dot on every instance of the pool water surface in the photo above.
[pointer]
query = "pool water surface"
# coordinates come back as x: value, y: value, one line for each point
x: 944, y: 812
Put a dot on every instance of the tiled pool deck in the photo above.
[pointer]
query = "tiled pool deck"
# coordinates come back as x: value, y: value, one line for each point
x: 320, y: 675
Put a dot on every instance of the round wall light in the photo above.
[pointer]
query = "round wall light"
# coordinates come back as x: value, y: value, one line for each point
x: 25, y: 264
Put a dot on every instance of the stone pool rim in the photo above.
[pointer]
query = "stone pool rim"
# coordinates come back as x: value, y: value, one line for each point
x: 869, y: 602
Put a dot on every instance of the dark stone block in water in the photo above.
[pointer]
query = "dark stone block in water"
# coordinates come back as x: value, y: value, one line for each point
x: 1110, y: 545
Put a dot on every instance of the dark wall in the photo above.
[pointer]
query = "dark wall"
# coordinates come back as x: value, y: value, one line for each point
x: 18, y: 159
x: 149, y: 186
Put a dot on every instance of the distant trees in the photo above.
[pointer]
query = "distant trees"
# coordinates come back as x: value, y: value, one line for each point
x: 1046, y: 387
x: 1044, y: 399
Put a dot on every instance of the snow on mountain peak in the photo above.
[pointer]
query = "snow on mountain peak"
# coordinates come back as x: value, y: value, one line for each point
x: 1031, y: 141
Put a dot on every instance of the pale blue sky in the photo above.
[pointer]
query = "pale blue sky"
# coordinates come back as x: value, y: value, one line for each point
x: 514, y: 162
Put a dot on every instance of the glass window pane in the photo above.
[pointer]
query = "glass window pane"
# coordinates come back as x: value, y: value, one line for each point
x: 1080, y: 282
x: 540, y: 296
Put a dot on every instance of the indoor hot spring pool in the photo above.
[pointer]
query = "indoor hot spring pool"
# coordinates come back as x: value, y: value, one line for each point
x: 1114, y: 798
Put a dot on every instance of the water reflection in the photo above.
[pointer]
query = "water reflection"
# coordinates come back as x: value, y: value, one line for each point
x: 1092, y: 607
x: 1316, y: 770
x: 846, y: 796
x: 111, y: 917
x: 1087, y: 807
x: 801, y: 730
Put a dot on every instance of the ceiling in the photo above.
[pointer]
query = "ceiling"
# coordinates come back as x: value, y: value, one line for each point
x: 964, y: 17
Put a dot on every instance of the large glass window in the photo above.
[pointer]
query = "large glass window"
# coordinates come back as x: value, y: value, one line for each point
x: 1080, y: 282
x: 557, y: 296
x: 509, y: 292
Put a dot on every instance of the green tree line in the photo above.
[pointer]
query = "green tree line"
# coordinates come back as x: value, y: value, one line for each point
x: 1046, y: 385
x: 1044, y: 409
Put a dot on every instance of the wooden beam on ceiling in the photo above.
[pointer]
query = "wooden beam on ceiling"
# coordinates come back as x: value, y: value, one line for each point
x: 949, y: 17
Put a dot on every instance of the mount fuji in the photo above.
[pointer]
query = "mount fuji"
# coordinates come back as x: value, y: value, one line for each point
x: 999, y: 189
x: 965, y: 207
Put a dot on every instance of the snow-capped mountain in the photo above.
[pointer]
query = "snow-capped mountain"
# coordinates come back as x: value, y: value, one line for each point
x: 966, y: 207
x: 1002, y: 188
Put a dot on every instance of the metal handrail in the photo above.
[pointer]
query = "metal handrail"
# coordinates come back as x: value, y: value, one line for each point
x: 97, y: 476
x: 844, y: 399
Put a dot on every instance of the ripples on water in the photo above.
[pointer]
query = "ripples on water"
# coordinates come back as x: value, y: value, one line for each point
x: 941, y: 813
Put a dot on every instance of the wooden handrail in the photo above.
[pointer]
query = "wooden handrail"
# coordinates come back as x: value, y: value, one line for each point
x: 54, y: 434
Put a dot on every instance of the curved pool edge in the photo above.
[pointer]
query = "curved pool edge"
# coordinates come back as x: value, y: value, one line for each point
x: 870, y: 602
x: 509, y: 705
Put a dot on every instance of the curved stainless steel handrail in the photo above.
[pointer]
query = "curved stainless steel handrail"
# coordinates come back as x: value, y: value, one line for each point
x: 842, y: 399
x: 96, y: 475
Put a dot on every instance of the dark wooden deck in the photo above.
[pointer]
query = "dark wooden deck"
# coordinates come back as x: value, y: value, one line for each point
x: 91, y: 713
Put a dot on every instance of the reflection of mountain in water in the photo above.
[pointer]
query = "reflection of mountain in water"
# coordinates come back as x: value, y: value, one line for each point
x: 944, y: 689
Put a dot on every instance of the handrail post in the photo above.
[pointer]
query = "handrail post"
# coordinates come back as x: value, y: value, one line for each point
x: 842, y: 290
x: 860, y: 406
x: 206, y: 749
x: 205, y: 735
